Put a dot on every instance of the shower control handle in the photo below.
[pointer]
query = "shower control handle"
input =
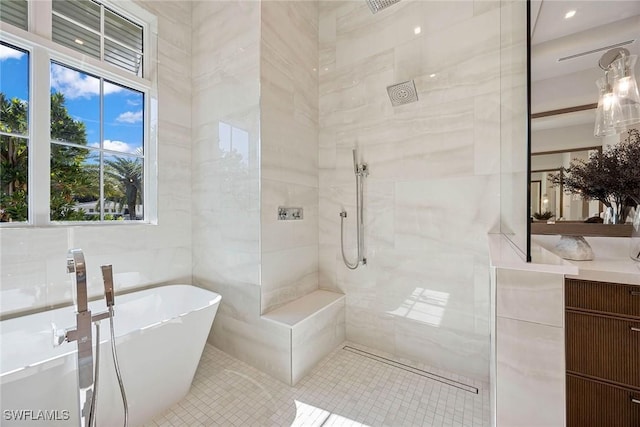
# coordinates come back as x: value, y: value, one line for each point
x: 59, y: 335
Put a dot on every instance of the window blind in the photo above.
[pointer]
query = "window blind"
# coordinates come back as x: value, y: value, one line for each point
x: 77, y: 25
x: 15, y: 12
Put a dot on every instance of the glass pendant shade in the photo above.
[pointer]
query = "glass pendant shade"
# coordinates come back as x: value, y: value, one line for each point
x: 625, y: 90
x: 608, y: 112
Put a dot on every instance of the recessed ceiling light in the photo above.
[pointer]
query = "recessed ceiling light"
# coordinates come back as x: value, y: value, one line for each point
x: 569, y: 14
x: 432, y: 75
x: 78, y: 41
x: 417, y: 30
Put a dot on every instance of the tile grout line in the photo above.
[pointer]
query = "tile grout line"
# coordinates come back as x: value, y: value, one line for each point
x: 411, y: 369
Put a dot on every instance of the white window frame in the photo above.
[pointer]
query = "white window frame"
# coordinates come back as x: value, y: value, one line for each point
x: 42, y: 50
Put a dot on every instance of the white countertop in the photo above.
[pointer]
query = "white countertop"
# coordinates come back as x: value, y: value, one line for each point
x: 616, y: 270
x: 504, y: 254
x: 611, y: 263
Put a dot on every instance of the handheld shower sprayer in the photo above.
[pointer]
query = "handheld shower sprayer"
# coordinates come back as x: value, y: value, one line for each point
x: 361, y: 170
x: 107, y: 279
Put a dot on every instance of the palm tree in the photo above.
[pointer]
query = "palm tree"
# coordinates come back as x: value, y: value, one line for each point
x: 13, y: 160
x: 128, y: 173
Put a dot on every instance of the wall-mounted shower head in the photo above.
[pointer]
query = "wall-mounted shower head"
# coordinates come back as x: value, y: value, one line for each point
x: 378, y: 5
x: 402, y: 93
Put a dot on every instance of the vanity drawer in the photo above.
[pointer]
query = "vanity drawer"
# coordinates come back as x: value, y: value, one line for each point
x: 592, y: 403
x: 603, y: 347
x: 612, y: 298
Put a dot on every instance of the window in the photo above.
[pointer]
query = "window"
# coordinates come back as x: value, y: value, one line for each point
x: 14, y: 133
x: 82, y: 128
x: 95, y: 30
x: 97, y: 150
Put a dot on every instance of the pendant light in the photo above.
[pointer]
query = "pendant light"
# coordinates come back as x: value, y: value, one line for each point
x: 619, y: 101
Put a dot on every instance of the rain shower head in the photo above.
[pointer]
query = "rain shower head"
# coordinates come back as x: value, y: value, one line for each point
x: 378, y: 5
x: 402, y: 93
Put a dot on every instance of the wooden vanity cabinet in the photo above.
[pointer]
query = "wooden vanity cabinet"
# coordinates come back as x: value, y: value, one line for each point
x: 602, y: 345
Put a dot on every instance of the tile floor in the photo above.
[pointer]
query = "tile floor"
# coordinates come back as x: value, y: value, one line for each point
x: 347, y: 388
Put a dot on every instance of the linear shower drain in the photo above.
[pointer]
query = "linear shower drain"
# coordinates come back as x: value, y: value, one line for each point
x: 413, y: 370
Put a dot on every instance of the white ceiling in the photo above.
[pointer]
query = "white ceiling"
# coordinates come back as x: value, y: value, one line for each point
x: 596, y: 24
x: 551, y: 24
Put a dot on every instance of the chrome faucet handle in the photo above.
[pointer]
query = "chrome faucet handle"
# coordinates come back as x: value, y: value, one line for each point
x: 59, y: 335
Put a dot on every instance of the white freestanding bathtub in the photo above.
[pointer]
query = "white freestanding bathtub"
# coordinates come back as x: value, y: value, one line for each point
x: 160, y: 335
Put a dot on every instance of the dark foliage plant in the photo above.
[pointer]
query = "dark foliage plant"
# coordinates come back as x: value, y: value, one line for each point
x: 544, y: 215
x: 611, y: 176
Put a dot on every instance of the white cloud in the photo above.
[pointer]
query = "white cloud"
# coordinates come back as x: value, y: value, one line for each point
x: 121, y: 146
x: 133, y: 103
x: 74, y: 84
x: 8, y: 53
x: 130, y: 117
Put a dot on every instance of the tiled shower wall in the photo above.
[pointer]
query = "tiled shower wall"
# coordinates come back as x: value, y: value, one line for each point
x: 289, y: 149
x: 226, y: 188
x: 33, y: 260
x: 226, y: 139
x: 433, y: 190
x: 513, y: 123
x: 255, y: 72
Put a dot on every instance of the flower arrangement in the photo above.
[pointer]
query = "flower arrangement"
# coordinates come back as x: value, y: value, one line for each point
x: 611, y: 176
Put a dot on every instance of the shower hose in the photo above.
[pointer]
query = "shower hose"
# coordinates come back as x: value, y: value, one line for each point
x: 92, y: 413
x: 359, y: 222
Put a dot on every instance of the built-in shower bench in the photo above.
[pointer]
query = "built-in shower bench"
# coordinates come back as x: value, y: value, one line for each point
x: 316, y: 326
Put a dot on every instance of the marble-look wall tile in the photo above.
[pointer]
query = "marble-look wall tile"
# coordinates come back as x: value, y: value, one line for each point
x: 288, y: 274
x: 32, y: 260
x: 239, y: 330
x: 531, y: 374
x: 278, y: 234
x: 444, y: 346
x: 225, y: 60
x: 469, y: 205
x: 537, y: 298
x: 372, y: 328
x: 483, y: 6
x: 327, y: 267
x: 513, y: 122
x: 361, y: 34
x: 289, y: 55
x: 486, y: 129
x: 433, y: 192
x: 315, y: 337
x: 236, y: 29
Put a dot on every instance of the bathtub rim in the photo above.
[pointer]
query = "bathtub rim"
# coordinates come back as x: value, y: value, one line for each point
x: 106, y: 338
x: 118, y: 292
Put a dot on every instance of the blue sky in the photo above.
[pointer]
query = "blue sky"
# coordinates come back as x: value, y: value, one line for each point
x: 123, y: 108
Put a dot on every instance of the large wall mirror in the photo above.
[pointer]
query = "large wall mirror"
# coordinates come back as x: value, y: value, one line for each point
x: 549, y: 200
x: 567, y: 40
